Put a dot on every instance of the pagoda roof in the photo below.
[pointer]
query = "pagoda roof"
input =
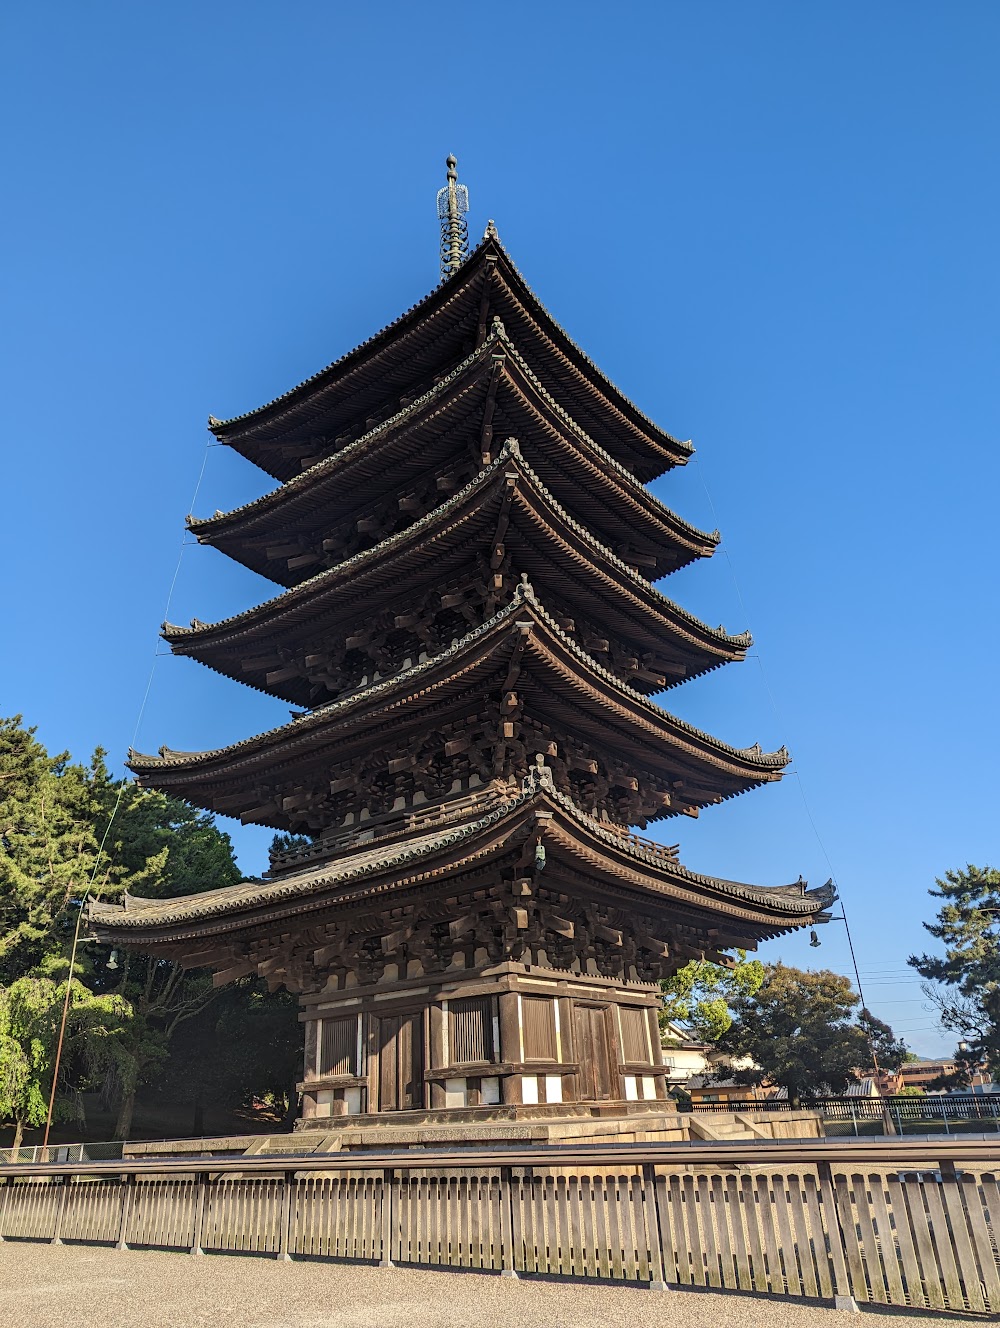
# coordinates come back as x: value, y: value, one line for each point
x: 441, y: 426
x: 435, y: 333
x: 550, y: 546
x: 580, y: 851
x: 574, y: 692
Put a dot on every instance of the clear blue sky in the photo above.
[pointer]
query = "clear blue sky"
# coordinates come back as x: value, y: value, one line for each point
x: 773, y: 224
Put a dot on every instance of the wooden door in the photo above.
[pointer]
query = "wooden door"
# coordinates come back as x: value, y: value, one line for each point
x: 596, y: 1079
x: 400, y: 1044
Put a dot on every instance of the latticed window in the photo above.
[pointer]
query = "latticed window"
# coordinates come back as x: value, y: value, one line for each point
x: 470, y: 1023
x: 635, y: 1035
x: 338, y: 1053
x: 538, y: 1015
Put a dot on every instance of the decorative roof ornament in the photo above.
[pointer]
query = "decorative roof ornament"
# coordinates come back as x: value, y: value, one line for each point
x: 453, y: 207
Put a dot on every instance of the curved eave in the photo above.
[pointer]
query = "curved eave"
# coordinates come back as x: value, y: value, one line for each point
x: 588, y: 844
x: 602, y: 703
x: 654, y: 880
x: 421, y: 548
x: 583, y: 467
x: 366, y: 873
x: 652, y: 517
x: 653, y: 450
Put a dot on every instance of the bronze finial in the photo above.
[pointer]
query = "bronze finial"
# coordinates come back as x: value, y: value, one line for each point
x: 452, y: 207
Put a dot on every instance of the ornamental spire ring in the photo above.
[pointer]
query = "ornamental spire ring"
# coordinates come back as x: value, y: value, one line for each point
x: 452, y: 208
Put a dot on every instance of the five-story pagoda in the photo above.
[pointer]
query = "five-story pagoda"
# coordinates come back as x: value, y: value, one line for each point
x: 469, y: 628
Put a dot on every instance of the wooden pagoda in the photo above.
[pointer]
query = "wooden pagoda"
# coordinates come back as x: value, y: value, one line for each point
x: 469, y: 629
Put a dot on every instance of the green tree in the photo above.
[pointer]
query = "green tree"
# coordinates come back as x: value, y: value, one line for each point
x: 158, y: 847
x: 48, y: 848
x: 702, y: 994
x: 54, y: 818
x: 803, y: 1031
x: 887, y: 1050
x: 241, y: 1053
x: 30, y: 1016
x: 964, y: 983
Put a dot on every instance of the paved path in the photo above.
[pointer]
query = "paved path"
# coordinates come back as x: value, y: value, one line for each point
x: 44, y: 1286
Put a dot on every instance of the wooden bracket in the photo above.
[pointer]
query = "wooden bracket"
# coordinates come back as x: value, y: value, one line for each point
x: 486, y: 433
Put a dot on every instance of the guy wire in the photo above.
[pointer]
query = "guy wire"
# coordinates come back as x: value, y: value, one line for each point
x: 778, y: 717
x: 111, y: 821
x: 152, y: 671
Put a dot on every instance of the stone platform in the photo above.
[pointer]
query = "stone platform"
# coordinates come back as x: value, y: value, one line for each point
x: 632, y: 1123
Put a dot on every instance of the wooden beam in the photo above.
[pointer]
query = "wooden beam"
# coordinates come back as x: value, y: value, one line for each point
x: 486, y: 432
x: 240, y: 970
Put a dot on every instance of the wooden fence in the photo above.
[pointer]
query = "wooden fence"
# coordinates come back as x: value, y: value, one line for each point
x: 887, y: 1222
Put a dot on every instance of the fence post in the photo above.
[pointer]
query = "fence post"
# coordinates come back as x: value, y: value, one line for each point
x: 657, y: 1278
x: 61, y: 1209
x: 507, y: 1260
x: 944, y: 1116
x: 283, y: 1255
x: 387, y: 1220
x: 843, y: 1298
x: 854, y: 1116
x: 4, y: 1196
x: 199, y: 1214
x: 128, y: 1193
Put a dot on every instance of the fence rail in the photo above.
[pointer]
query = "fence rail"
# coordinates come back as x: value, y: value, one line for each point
x: 890, y: 1222
x: 926, y: 1110
x: 867, y: 1115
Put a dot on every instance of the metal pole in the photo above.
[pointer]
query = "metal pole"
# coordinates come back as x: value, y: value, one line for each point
x: 62, y: 1026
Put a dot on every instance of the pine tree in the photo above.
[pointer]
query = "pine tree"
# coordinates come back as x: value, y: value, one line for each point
x: 67, y: 830
x: 48, y: 848
x: 967, y: 993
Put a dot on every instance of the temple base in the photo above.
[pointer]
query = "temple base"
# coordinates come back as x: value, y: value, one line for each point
x: 506, y: 1042
x: 546, y: 1123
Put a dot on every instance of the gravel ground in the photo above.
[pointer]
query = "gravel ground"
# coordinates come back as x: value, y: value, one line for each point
x: 44, y: 1286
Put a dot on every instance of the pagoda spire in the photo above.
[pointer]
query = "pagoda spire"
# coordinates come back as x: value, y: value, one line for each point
x: 452, y: 207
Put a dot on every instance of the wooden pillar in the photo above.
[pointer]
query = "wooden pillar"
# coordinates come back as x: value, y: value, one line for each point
x: 510, y: 1044
x: 437, y: 1053
x: 311, y: 1059
x: 654, y: 1042
x: 567, y: 1044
